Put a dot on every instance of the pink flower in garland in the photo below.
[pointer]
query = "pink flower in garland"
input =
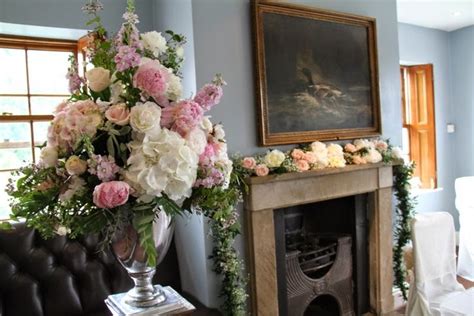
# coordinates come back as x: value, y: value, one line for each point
x: 126, y: 58
x: 182, y: 117
x: 152, y: 79
x: 213, y: 177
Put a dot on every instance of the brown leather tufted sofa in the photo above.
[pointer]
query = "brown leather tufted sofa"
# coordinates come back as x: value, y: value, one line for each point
x: 63, y: 277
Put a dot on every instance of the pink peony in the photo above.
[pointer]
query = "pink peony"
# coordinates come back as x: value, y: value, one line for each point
x: 182, y: 117
x: 302, y: 165
x: 261, y: 170
x: 152, y: 79
x: 111, y: 194
x: 350, y: 148
x: 208, y: 96
x: 297, y: 154
x: 249, y: 163
x: 118, y: 114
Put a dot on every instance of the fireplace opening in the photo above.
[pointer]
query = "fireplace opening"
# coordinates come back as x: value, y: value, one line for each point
x: 322, y: 257
x: 324, y: 305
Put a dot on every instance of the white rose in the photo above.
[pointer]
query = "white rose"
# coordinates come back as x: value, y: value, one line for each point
x: 397, y: 153
x: 49, y: 156
x: 318, y: 147
x: 174, y: 87
x: 363, y: 143
x: 335, y: 150
x: 145, y: 117
x: 75, y: 165
x: 98, y: 78
x: 154, y: 42
x: 274, y: 158
x: 373, y: 156
x: 197, y: 140
x: 219, y: 132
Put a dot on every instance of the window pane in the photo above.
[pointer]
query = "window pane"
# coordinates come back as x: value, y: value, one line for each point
x: 13, y: 71
x: 15, y: 145
x: 44, y: 105
x: 4, y: 207
x: 14, y: 105
x: 40, y: 130
x: 47, y: 71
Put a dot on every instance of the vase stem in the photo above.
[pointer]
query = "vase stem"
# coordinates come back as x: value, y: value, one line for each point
x: 144, y: 294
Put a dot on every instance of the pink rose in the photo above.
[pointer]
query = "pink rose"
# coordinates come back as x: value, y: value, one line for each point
x: 261, y: 170
x: 118, y: 114
x: 310, y: 157
x: 350, y: 148
x: 249, y: 163
x: 302, y: 165
x: 152, y: 79
x: 111, y: 194
x: 381, y: 145
x: 358, y: 160
x: 297, y: 154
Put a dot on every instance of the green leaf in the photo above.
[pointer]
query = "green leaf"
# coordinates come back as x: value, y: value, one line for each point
x: 5, y: 226
x: 110, y: 146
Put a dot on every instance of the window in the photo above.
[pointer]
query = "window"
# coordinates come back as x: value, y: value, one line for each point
x: 419, y: 139
x: 32, y: 83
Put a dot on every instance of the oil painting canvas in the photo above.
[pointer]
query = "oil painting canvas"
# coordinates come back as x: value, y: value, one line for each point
x: 317, y: 76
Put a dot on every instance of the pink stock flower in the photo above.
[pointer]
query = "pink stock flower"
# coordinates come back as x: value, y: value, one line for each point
x: 212, y: 178
x: 127, y: 57
x: 111, y: 194
x: 261, y: 170
x: 208, y: 96
x: 104, y: 167
x: 302, y: 165
x: 182, y: 117
x: 152, y: 78
x: 209, y: 154
x: 249, y: 163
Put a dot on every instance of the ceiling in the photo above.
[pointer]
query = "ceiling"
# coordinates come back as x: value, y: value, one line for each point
x: 447, y: 15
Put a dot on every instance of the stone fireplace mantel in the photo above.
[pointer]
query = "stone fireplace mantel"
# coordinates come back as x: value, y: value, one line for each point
x: 278, y: 191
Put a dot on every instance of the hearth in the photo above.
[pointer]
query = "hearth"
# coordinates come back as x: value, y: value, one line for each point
x: 359, y: 200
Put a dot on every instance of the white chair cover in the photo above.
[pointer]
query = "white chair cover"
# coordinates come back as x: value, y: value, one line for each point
x: 435, y: 289
x: 465, y: 205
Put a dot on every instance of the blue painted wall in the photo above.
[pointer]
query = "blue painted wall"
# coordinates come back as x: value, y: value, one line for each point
x: 419, y: 45
x: 68, y: 14
x: 462, y: 87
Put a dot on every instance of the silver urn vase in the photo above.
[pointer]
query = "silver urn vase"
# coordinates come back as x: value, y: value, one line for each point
x: 131, y: 255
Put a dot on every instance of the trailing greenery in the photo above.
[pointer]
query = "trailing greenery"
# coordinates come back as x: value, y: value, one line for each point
x: 219, y: 206
x: 404, y: 212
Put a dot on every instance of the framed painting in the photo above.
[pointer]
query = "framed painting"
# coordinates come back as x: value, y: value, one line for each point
x: 316, y: 74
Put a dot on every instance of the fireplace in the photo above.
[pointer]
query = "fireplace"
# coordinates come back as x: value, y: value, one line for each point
x: 322, y: 251
x: 302, y: 226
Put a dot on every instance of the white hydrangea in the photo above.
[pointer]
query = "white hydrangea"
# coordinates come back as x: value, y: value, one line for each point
x: 397, y: 153
x: 154, y: 42
x: 363, y: 143
x: 163, y: 163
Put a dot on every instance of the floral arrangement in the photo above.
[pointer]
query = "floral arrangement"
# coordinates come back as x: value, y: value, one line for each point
x: 126, y: 144
x: 318, y: 155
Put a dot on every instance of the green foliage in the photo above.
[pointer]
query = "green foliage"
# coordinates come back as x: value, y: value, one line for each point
x: 404, y: 212
x: 218, y: 204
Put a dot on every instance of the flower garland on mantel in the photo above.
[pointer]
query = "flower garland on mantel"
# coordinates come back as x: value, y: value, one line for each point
x: 318, y: 155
